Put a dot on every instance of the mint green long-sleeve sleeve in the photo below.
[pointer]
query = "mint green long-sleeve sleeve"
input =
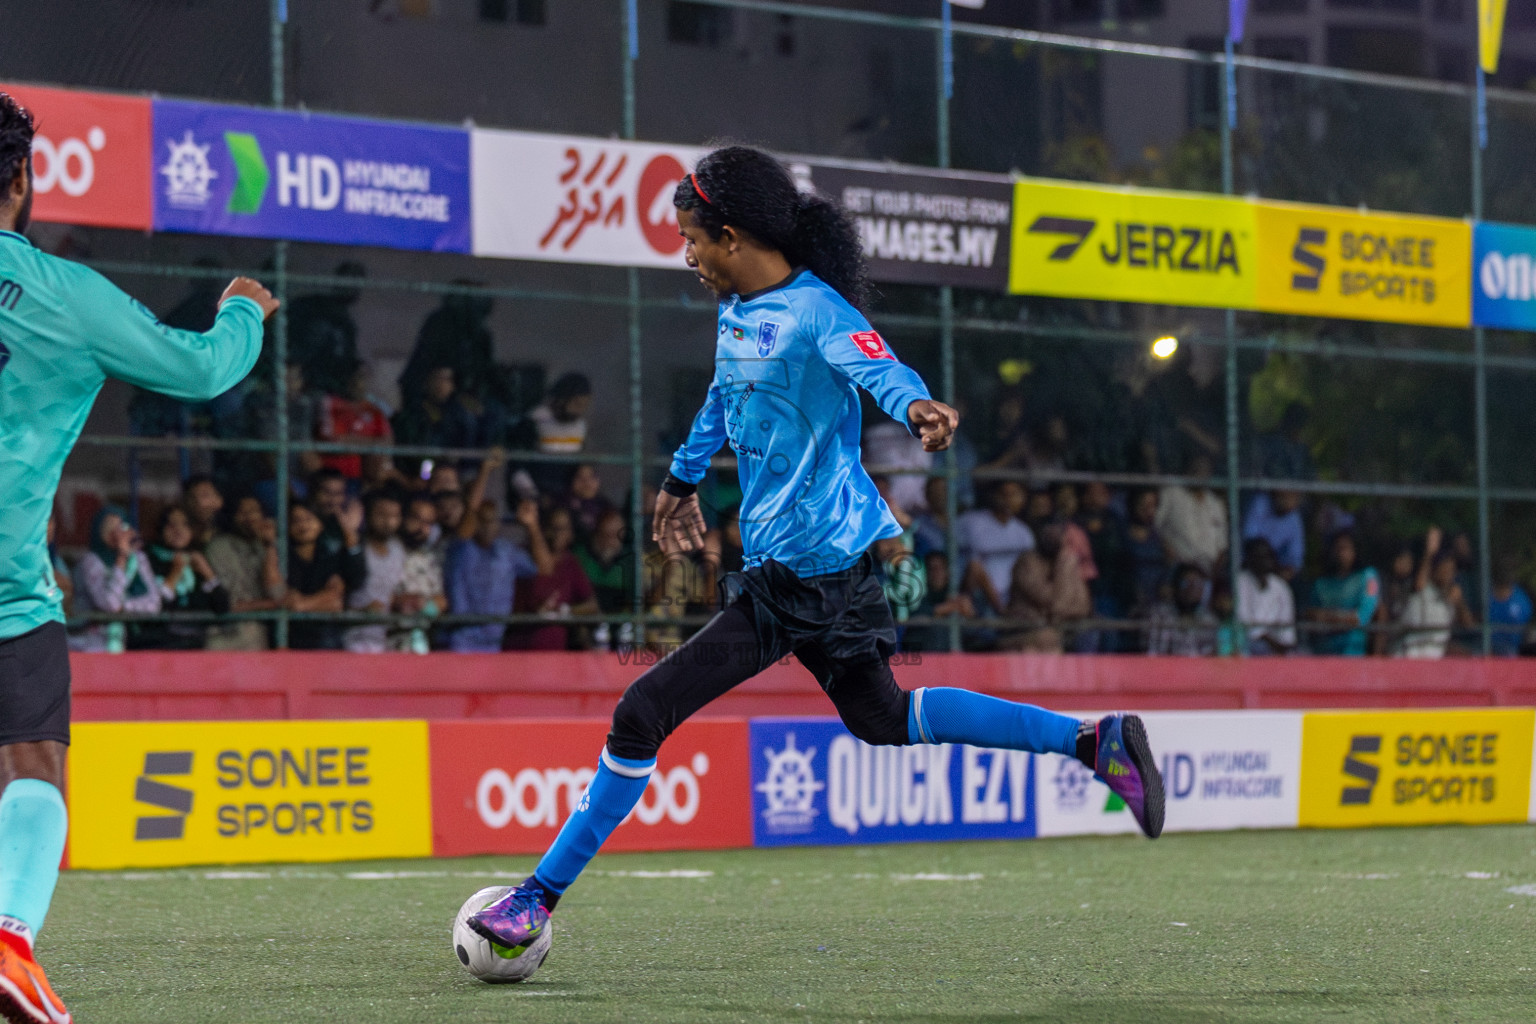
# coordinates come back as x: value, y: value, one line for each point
x: 64, y: 329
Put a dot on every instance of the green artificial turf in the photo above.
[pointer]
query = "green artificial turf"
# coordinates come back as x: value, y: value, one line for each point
x: 1388, y: 925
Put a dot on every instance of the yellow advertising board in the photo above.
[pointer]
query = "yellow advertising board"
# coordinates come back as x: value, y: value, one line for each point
x: 1132, y: 245
x: 1415, y: 767
x: 160, y: 794
x: 1321, y: 261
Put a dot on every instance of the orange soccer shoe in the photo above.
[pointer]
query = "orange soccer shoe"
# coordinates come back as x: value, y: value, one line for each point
x: 25, y: 995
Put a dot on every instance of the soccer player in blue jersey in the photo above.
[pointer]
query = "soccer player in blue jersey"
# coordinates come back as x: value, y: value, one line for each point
x: 64, y: 329
x: 792, y: 351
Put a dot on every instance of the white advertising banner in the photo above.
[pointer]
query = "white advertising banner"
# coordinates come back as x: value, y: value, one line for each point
x: 572, y: 199
x: 1221, y: 770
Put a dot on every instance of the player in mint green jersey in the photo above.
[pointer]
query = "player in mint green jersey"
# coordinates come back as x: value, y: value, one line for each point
x: 64, y: 329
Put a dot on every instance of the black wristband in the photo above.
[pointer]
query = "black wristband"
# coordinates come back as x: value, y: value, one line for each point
x: 678, y: 488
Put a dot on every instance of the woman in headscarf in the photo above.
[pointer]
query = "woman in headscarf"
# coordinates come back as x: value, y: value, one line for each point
x: 113, y: 576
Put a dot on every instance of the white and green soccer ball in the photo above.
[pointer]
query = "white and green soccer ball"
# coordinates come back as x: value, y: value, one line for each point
x: 491, y: 961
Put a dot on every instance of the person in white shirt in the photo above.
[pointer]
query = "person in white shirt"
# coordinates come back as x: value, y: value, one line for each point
x: 385, y: 557
x: 1193, y: 520
x: 991, y: 541
x: 1437, y: 602
x: 1265, y: 605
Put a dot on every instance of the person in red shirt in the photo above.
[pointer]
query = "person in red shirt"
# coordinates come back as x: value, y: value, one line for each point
x: 563, y: 591
x: 354, y: 418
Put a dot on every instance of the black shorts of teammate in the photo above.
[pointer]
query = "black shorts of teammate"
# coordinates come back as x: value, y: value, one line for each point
x: 34, y: 686
x: 838, y: 626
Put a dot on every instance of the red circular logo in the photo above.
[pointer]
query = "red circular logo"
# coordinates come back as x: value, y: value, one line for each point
x: 653, y: 203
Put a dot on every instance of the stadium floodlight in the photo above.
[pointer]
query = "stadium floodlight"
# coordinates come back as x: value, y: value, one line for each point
x: 1165, y: 347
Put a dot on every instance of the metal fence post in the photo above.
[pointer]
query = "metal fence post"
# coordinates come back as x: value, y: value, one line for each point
x: 1480, y: 391
x: 637, y: 525
x: 1229, y: 325
x: 279, y: 18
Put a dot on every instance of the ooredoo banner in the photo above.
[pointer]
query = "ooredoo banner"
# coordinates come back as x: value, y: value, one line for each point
x: 90, y: 157
x: 577, y: 200
x: 159, y: 794
x: 1504, y: 276
x: 1221, y: 770
x: 923, y: 228
x: 508, y: 786
x: 224, y: 170
x: 813, y: 784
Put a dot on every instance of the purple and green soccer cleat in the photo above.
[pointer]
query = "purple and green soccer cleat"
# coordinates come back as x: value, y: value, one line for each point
x: 512, y: 921
x: 1123, y: 762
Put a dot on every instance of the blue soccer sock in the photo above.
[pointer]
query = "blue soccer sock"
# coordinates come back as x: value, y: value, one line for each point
x: 33, y: 824
x: 615, y: 789
x: 944, y: 714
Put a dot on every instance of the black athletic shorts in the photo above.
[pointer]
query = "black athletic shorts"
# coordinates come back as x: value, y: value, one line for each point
x: 34, y: 686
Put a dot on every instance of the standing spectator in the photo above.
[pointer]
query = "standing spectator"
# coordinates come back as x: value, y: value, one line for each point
x: 303, y: 418
x: 1265, y: 605
x: 421, y: 591
x: 440, y: 417
x: 1184, y: 626
x: 1346, y: 598
x: 991, y: 541
x: 1047, y: 594
x: 1192, y: 520
x: 1145, y: 554
x: 322, y: 333
x: 558, y: 591
x: 939, y: 602
x: 930, y: 530
x: 1437, y: 604
x: 889, y: 447
x: 454, y: 335
x: 315, y: 581
x: 1064, y: 506
x: 384, y: 557
x: 556, y: 426
x: 482, y: 574
x: 1509, y: 606
x: 352, y: 417
x: 202, y: 502
x: 341, y: 518
x: 114, y: 576
x: 187, y: 584
x: 245, y: 559
x: 584, y: 499
x: 1276, y: 517
x: 1283, y: 454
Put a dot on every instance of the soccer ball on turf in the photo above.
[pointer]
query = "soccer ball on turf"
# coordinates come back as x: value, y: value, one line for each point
x: 488, y: 960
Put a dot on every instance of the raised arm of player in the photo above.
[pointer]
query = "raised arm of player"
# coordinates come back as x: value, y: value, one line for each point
x: 130, y: 344
x: 859, y: 353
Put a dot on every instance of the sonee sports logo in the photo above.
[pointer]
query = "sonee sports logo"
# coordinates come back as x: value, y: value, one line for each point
x: 166, y: 797
x: 1363, y: 771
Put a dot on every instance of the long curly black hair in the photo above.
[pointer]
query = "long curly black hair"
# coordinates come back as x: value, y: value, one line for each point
x: 17, y: 126
x: 751, y: 191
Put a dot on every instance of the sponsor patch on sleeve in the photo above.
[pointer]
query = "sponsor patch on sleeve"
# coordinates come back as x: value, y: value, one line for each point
x: 871, y: 344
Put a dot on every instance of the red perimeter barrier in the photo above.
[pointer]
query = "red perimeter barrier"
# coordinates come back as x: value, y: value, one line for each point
x: 198, y: 685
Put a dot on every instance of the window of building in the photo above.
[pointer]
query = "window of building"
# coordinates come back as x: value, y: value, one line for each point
x: 521, y: 12
x: 1392, y: 51
x: 698, y: 24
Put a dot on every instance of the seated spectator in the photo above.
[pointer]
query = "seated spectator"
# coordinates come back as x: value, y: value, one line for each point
x: 421, y: 591
x: 245, y: 560
x: 1064, y: 511
x: 482, y: 573
x: 888, y: 447
x: 1436, y: 605
x: 1509, y: 606
x: 556, y: 426
x: 1048, y: 594
x: 1113, y: 590
x: 384, y: 558
x: 454, y: 334
x: 1265, y: 606
x: 315, y: 581
x: 940, y: 602
x: 1231, y: 638
x: 202, y: 502
x: 1276, y: 517
x: 352, y: 418
x: 902, y: 577
x: 187, y: 584
x: 1145, y: 554
x: 1345, y: 598
x: 930, y: 530
x: 341, y: 518
x: 440, y: 417
x: 114, y: 575
x: 558, y: 591
x: 1192, y: 520
x: 1396, y: 589
x: 1184, y: 626
x: 584, y: 499
x: 608, y: 563
x: 1038, y: 509
x: 991, y: 541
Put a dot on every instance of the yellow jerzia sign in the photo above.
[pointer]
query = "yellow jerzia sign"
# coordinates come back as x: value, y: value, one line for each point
x: 153, y: 794
x: 1132, y: 245
x: 1415, y: 767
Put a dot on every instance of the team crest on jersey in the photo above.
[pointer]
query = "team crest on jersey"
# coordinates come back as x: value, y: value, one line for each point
x: 871, y: 344
x: 767, y: 337
x: 738, y: 333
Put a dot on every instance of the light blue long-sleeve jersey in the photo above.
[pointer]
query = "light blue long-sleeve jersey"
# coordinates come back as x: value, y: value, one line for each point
x: 64, y: 329
x: 788, y: 365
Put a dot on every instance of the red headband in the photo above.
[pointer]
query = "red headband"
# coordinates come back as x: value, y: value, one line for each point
x: 697, y: 188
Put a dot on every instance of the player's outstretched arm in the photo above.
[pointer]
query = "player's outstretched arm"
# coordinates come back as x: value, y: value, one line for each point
x: 131, y: 344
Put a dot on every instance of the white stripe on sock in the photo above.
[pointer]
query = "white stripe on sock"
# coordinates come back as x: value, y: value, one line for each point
x: 917, y: 711
x: 626, y: 770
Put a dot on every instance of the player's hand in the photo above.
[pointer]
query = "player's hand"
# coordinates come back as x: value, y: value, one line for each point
x: 935, y: 423
x: 254, y: 290
x: 679, y: 523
